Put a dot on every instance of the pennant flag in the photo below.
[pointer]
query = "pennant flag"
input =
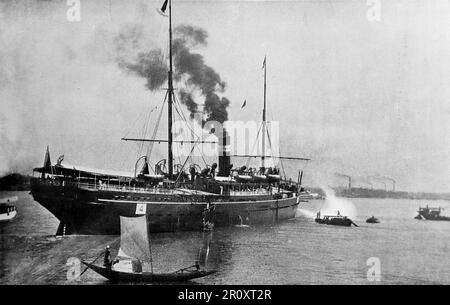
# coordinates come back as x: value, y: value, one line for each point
x: 47, y: 162
x: 264, y: 63
x: 163, y: 8
x: 244, y: 104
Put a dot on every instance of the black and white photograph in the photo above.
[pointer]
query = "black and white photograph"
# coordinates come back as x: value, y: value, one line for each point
x: 215, y: 143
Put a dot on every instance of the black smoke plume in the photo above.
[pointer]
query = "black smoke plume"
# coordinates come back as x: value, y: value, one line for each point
x: 190, y: 68
x: 187, y: 99
x: 150, y: 65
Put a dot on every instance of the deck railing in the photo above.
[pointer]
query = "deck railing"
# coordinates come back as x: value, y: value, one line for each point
x: 261, y: 192
x: 126, y: 188
x: 137, y: 189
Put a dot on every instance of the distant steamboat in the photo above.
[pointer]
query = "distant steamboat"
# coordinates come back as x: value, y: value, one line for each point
x: 177, y: 197
x: 431, y: 214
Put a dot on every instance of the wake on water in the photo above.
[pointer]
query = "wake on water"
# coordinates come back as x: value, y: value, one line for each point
x: 305, y: 213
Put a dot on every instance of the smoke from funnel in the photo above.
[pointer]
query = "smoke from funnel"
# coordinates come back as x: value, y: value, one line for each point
x: 334, y: 204
x: 187, y: 99
x: 190, y: 68
x: 150, y: 65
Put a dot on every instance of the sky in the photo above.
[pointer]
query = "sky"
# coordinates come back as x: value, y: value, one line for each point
x: 359, y: 95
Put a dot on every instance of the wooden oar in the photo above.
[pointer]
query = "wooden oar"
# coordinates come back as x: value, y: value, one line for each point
x: 181, y: 270
x: 92, y: 263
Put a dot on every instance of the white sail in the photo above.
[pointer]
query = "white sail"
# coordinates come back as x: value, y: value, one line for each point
x: 122, y: 254
x: 134, y: 241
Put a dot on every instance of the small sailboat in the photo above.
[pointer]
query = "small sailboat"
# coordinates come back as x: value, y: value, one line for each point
x: 7, y: 209
x: 135, y: 255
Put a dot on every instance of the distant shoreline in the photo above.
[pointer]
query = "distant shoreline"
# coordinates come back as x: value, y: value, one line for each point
x: 377, y: 193
x: 15, y: 182
x: 19, y: 182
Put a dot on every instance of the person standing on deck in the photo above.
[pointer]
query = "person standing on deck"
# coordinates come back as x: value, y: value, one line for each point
x: 107, y: 260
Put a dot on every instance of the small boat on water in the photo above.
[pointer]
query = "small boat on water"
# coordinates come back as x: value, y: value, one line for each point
x: 335, y: 220
x: 148, y: 277
x: 8, y: 210
x: 372, y: 219
x: 428, y: 213
x: 134, y: 256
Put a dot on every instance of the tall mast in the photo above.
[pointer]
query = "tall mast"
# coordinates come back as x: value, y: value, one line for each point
x: 263, y: 142
x: 170, y: 101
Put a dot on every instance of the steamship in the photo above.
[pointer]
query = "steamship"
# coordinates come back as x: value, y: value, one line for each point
x: 174, y: 197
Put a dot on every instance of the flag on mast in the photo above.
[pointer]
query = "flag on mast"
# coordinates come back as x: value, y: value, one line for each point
x: 264, y: 63
x: 244, y: 104
x: 163, y: 8
x: 47, y: 162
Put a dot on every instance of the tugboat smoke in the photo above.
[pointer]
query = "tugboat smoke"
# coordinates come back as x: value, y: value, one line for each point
x: 334, y: 204
x: 190, y: 68
x: 331, y: 206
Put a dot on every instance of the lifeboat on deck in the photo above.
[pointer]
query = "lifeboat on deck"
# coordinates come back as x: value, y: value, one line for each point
x: 272, y: 175
x: 243, y: 178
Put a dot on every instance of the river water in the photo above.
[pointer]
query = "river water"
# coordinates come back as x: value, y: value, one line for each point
x: 299, y: 251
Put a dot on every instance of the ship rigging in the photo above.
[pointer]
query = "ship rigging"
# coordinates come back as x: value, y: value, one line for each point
x: 91, y: 201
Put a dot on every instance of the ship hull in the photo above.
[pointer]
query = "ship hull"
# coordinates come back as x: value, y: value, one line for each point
x: 82, y: 211
x: 431, y: 214
x: 343, y: 223
x: 427, y: 217
x: 148, y: 277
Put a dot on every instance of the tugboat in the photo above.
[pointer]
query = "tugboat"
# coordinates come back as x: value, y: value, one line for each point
x: 7, y: 209
x: 175, y: 196
x: 335, y: 220
x: 372, y: 219
x: 428, y: 213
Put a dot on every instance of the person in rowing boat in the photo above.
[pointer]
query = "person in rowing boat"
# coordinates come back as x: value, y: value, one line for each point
x: 107, y: 260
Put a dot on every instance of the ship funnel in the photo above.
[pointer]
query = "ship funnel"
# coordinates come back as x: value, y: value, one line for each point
x: 224, y: 154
